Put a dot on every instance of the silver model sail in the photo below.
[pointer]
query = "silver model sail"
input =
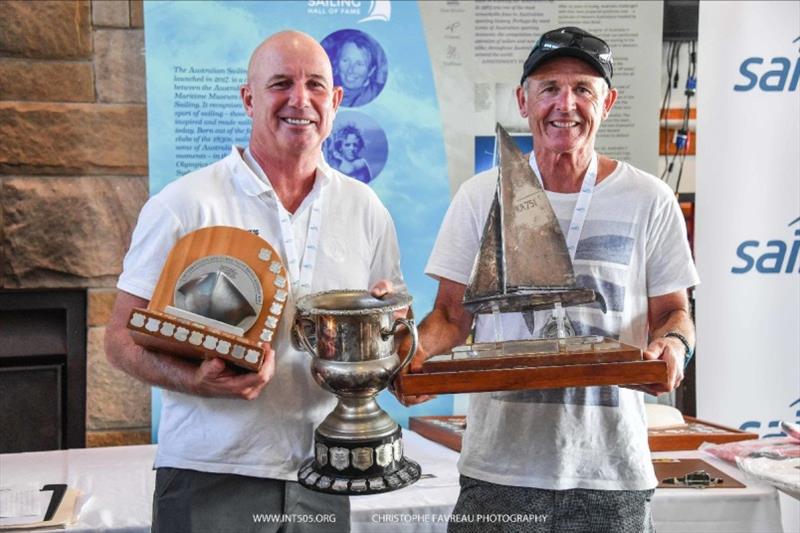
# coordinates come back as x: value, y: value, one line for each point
x: 523, y: 262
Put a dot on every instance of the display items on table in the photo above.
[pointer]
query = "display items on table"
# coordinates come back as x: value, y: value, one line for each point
x: 667, y: 430
x: 774, y: 460
x: 673, y: 473
x: 30, y: 507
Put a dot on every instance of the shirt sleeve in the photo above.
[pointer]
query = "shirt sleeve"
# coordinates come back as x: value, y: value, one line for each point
x: 670, y: 266
x: 386, y: 253
x: 156, y: 232
x: 459, y: 238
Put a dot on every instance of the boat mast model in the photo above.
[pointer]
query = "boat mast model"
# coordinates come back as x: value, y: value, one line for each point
x: 523, y: 263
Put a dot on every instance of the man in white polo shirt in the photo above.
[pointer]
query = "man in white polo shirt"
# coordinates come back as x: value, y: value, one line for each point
x: 230, y: 443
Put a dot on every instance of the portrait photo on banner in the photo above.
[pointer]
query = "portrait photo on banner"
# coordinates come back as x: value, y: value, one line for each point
x: 359, y: 65
x: 357, y: 146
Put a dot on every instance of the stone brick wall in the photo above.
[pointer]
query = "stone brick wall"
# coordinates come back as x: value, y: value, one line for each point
x: 73, y: 172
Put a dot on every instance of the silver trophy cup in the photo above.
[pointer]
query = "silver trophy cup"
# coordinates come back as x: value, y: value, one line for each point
x: 358, y: 448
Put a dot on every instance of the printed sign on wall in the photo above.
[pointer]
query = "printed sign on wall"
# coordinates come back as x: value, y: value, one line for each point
x: 424, y: 85
x: 748, y: 215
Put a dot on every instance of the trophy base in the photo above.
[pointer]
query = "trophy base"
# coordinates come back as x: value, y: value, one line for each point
x: 352, y: 467
x: 533, y: 364
x: 161, y: 332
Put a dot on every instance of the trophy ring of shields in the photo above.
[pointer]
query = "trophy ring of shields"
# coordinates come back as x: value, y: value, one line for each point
x: 358, y: 448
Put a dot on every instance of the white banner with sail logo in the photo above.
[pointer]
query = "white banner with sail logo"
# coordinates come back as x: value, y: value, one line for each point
x: 748, y: 214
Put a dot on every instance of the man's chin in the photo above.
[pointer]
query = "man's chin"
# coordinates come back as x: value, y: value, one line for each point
x: 299, y: 146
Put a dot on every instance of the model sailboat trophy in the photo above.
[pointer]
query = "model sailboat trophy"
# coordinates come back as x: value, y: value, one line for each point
x: 524, y: 265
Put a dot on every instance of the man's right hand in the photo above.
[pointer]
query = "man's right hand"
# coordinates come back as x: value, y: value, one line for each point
x: 214, y: 378
x: 211, y: 378
x: 414, y: 366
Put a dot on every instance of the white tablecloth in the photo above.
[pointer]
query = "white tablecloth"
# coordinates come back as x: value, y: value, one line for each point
x: 118, y: 487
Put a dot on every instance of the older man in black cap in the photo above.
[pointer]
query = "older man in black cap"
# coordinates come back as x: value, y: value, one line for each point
x: 571, y: 459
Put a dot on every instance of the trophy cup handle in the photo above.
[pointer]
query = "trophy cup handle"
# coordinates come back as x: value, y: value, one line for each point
x: 412, y: 328
x: 301, y: 342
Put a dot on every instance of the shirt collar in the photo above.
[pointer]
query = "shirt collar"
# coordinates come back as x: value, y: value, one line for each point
x: 254, y: 182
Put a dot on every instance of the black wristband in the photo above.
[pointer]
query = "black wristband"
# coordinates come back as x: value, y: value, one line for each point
x: 689, y: 351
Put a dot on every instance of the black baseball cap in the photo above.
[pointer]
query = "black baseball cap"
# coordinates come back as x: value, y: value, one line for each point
x: 573, y: 42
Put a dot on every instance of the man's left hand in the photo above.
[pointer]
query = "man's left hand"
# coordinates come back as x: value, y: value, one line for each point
x: 673, y: 352
x: 384, y: 288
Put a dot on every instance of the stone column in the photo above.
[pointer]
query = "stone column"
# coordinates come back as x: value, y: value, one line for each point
x: 73, y: 172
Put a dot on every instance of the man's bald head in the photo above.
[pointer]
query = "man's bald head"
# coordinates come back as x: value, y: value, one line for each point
x: 290, y: 97
x: 287, y: 42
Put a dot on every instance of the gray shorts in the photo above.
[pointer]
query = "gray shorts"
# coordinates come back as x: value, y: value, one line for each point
x: 486, y: 507
x: 186, y: 501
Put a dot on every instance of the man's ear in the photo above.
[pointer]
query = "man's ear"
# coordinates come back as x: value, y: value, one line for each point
x: 338, y: 94
x: 608, y: 103
x: 522, y: 99
x: 247, y: 99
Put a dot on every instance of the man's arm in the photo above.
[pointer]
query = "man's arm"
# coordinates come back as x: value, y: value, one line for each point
x: 212, y: 378
x: 669, y: 313
x: 446, y: 326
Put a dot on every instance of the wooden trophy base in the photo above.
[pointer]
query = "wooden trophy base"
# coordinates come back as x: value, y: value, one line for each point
x: 692, y: 434
x: 449, y: 430
x: 165, y: 333
x: 533, y: 364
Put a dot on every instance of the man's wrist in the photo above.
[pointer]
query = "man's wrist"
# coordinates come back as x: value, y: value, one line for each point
x: 689, y: 351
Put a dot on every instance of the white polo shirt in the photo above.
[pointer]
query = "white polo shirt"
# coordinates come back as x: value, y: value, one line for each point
x: 271, y: 435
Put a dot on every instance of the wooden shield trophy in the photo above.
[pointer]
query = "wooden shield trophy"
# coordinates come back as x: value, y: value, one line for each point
x: 221, y: 294
x: 524, y: 265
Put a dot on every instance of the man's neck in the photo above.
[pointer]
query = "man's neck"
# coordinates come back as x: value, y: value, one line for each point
x: 564, y: 172
x: 292, y: 178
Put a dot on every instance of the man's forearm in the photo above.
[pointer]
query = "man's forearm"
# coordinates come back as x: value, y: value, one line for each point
x: 678, y: 321
x: 153, y: 368
x: 439, y: 334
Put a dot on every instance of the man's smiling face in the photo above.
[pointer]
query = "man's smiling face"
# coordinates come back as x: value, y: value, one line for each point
x: 290, y: 95
x: 565, y: 100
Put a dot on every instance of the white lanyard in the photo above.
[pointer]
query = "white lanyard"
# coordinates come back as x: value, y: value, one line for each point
x: 581, y: 206
x: 300, y: 269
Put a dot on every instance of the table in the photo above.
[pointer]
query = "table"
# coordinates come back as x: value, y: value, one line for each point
x: 118, y: 485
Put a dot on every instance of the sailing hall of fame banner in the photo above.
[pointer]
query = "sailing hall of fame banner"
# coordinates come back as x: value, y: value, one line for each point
x: 424, y: 85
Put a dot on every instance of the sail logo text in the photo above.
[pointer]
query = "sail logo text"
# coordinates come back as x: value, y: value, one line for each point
x: 772, y: 77
x: 773, y: 257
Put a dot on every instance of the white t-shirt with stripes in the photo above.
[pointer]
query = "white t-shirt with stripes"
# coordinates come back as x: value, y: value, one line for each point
x: 633, y: 246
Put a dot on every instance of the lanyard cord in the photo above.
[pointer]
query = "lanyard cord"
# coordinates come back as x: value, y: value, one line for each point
x: 581, y: 206
x: 301, y: 269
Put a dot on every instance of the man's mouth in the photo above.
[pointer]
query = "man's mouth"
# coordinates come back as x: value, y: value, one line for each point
x: 297, y: 121
x: 563, y: 123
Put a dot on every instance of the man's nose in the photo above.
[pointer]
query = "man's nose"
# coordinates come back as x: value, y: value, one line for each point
x: 566, y: 99
x: 299, y: 96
